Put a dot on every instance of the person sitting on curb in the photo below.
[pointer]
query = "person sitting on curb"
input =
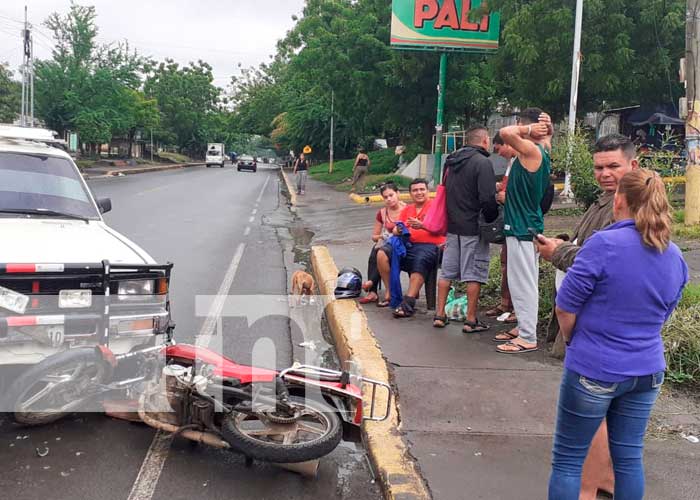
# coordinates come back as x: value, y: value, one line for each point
x: 470, y: 186
x: 614, y: 156
x: 421, y: 256
x: 506, y: 306
x: 384, y: 224
x: 527, y: 185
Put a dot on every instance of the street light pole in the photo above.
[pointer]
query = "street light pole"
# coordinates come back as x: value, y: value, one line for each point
x: 575, y: 71
x: 330, y: 165
x: 437, y: 169
x: 692, y: 122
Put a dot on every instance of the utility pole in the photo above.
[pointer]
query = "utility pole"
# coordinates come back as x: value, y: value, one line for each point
x: 27, y: 113
x: 437, y: 170
x: 573, y: 100
x: 330, y: 165
x: 692, y: 121
x: 151, y: 145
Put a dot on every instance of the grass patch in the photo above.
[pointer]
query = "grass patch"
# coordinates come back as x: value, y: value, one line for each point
x: 383, y: 164
x: 175, y: 157
x: 83, y: 164
x: 566, y: 212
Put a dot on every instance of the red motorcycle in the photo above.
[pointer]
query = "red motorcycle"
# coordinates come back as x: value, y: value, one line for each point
x: 294, y: 415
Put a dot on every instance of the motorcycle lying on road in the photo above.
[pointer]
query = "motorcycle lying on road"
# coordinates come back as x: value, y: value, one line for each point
x: 289, y: 416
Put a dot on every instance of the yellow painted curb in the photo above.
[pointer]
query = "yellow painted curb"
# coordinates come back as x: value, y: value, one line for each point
x: 377, y: 198
x: 396, y: 469
x: 290, y: 188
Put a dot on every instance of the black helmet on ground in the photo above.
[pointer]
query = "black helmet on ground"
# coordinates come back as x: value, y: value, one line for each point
x: 349, y: 284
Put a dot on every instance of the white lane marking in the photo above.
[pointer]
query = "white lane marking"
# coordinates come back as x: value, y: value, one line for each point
x: 205, y: 334
x: 255, y: 211
x: 251, y: 219
x: 262, y: 190
x: 152, y: 467
x: 247, y: 231
x: 145, y: 485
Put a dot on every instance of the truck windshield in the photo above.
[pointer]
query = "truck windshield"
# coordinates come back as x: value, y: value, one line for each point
x: 38, y: 183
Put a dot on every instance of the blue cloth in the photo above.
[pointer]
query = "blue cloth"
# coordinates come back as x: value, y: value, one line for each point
x: 622, y: 292
x: 583, y: 404
x: 399, y: 245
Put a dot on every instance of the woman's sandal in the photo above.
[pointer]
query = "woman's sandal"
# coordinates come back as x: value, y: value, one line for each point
x: 406, y: 309
x: 440, y: 321
x: 383, y: 303
x: 474, y: 326
x: 495, y: 312
x: 519, y: 349
x: 505, y: 336
x: 368, y: 300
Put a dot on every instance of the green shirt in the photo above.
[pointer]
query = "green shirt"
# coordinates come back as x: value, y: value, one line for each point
x: 524, y: 194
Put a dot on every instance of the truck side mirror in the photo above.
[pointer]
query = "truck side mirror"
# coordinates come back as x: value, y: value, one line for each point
x: 105, y: 205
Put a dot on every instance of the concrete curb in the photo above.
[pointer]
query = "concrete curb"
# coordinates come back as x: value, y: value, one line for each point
x: 290, y: 188
x: 133, y: 171
x: 377, y: 198
x: 388, y: 450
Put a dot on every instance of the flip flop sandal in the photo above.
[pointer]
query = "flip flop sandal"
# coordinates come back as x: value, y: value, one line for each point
x: 511, y: 320
x: 367, y: 300
x: 520, y: 349
x: 507, y: 336
x: 474, y: 326
x: 496, y: 311
x: 440, y: 319
x: 383, y: 303
x: 406, y: 309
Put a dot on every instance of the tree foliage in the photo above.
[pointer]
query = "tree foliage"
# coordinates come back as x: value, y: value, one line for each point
x: 10, y: 95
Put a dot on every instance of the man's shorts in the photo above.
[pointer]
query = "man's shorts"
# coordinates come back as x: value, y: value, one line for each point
x: 420, y: 258
x: 466, y: 259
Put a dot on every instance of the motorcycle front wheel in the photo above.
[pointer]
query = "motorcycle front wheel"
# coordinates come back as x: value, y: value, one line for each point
x: 56, y: 387
x: 313, y: 432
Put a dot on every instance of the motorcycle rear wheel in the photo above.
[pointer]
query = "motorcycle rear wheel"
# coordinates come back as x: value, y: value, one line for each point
x: 56, y: 387
x: 315, y: 433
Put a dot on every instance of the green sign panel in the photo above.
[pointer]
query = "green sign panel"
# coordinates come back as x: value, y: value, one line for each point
x: 444, y: 25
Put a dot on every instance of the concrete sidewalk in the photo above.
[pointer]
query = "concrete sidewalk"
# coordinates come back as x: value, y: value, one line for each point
x: 478, y: 423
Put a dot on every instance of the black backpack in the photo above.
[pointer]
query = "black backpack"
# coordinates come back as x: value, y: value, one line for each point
x: 547, y: 199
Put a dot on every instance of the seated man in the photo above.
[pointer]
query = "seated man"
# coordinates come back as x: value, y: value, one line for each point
x: 422, y: 255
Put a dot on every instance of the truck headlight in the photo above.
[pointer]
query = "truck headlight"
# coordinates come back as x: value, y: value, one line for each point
x: 74, y: 299
x: 136, y: 287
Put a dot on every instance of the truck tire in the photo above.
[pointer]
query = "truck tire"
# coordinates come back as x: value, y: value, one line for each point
x: 329, y: 432
x: 82, y: 370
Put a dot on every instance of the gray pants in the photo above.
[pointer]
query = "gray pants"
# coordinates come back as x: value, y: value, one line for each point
x: 301, y: 180
x: 523, y: 282
x: 359, y: 176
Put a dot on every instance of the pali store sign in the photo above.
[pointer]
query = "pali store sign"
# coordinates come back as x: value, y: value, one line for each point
x: 444, y: 25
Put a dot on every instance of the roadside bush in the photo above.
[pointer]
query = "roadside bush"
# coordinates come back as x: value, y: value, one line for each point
x: 579, y: 163
x: 682, y: 342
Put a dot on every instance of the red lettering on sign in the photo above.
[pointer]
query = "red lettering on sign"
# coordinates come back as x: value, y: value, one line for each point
x: 447, y: 17
x: 426, y: 10
x: 467, y: 25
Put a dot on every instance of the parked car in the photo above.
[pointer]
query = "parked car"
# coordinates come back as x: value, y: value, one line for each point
x: 247, y: 162
x: 66, y: 278
x: 215, y: 155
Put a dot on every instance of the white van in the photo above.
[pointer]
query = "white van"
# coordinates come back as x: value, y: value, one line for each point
x: 215, y: 154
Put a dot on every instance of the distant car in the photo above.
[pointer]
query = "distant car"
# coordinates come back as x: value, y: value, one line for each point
x: 247, y: 162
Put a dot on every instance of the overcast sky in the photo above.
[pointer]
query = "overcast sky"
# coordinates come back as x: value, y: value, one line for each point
x: 221, y: 32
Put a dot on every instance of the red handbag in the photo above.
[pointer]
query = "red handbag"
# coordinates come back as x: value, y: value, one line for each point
x: 436, y: 219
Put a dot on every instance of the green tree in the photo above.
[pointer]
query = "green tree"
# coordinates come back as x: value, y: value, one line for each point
x: 10, y: 95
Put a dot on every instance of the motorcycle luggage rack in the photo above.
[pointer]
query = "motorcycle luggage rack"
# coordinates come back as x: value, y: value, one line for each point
x: 325, y: 374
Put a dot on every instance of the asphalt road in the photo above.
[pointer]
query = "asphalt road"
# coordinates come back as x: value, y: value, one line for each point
x: 213, y: 224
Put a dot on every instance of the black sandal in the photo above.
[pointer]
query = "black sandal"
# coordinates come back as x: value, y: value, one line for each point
x: 440, y: 321
x: 406, y: 309
x: 474, y: 326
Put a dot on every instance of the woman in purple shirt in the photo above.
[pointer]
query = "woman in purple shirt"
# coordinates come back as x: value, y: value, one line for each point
x: 625, y: 283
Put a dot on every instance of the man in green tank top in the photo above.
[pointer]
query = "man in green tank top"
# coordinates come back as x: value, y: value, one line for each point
x: 527, y: 183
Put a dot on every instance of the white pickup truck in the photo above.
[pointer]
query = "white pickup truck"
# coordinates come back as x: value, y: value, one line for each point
x: 66, y: 278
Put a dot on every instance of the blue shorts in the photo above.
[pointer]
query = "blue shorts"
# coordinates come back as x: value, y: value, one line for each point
x: 420, y: 258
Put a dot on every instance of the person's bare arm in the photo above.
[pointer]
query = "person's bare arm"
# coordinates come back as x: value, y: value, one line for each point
x: 529, y: 154
x: 567, y: 321
x: 377, y: 231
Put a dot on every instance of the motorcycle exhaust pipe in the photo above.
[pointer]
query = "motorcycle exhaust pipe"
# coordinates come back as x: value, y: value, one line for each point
x: 307, y: 469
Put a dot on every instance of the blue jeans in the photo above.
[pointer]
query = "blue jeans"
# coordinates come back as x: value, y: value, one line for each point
x: 583, y: 404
